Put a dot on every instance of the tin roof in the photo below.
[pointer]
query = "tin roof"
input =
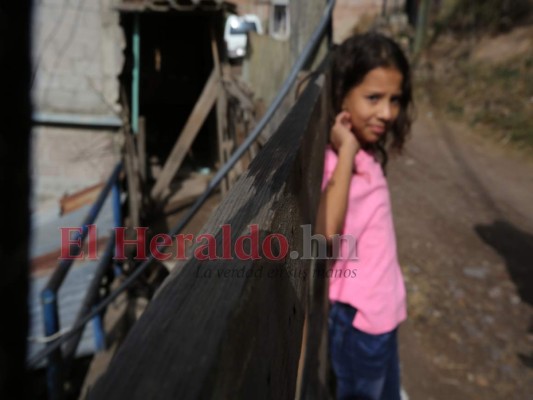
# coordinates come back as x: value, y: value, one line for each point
x: 46, y: 240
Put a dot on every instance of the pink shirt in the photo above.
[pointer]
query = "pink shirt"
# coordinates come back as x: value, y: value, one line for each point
x: 372, y: 283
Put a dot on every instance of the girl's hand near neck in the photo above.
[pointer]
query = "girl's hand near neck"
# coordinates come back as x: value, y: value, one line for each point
x: 334, y: 199
x: 341, y: 135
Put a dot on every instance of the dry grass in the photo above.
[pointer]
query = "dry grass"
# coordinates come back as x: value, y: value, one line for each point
x: 496, y: 97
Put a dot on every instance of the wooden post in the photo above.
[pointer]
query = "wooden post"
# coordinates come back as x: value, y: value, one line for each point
x: 421, y: 26
x: 136, y: 72
x: 314, y: 360
x: 141, y: 150
x: 134, y: 193
x: 384, y: 9
x: 131, y: 164
x: 221, y: 112
x: 188, y: 134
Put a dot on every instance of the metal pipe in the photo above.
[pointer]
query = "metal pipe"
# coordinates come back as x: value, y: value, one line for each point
x: 308, y: 50
x: 91, y: 296
x: 329, y: 33
x: 78, y: 120
x: 64, y: 266
x: 136, y: 73
x: 99, y: 334
x: 54, y: 380
x: 117, y: 217
x: 49, y: 294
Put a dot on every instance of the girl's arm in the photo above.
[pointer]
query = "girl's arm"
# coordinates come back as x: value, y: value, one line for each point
x: 334, y: 198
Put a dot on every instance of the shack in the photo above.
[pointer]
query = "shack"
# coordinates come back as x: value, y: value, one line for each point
x: 177, y: 96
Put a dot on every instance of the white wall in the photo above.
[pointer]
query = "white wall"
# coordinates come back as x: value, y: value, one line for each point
x: 77, y: 52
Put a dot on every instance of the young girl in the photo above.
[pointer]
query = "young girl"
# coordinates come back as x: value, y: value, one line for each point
x: 372, y: 101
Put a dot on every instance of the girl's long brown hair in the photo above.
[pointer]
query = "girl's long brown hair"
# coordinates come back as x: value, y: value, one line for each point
x: 352, y: 60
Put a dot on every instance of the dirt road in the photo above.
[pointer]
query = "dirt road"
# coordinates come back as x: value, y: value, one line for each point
x: 463, y: 208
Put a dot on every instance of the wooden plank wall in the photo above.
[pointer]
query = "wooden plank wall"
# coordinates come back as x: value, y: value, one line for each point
x: 210, y: 332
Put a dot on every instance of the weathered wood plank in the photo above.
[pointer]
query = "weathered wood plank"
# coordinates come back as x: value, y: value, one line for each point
x: 74, y: 201
x: 314, y: 374
x: 187, y: 135
x: 141, y: 150
x: 212, y: 333
x: 221, y: 113
x: 134, y: 192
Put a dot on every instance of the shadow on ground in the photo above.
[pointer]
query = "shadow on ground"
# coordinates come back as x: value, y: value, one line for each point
x: 515, y: 246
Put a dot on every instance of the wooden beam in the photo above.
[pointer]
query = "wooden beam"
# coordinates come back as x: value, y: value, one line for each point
x: 141, y: 150
x: 214, y: 53
x: 221, y: 114
x: 132, y: 177
x: 232, y: 328
x: 187, y: 135
x: 74, y: 201
x: 236, y: 91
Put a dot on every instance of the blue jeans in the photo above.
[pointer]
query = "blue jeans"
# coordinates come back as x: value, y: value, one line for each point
x: 366, y: 366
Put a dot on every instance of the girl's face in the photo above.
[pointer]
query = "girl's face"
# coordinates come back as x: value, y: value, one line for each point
x: 374, y: 104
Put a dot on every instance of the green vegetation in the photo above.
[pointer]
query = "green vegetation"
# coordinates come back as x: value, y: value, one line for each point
x: 498, y: 97
x: 467, y: 16
x: 475, y: 73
